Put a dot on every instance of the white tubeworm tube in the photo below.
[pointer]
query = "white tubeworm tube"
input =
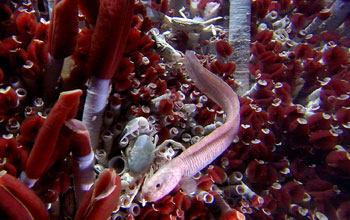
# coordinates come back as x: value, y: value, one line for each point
x: 38, y: 104
x: 82, y: 175
x: 101, y: 157
x: 235, y: 177
x: 282, y: 23
x: 124, y: 142
x: 15, y: 82
x: 186, y: 137
x: 195, y: 139
x: 173, y: 132
x: 108, y: 118
x: 21, y: 94
x: 134, y: 209
x: 206, y: 197
x: 95, y: 103
x: 197, y: 130
x: 107, y: 138
x: 271, y: 16
x: 13, y: 126
x: 26, y: 180
x: 239, y: 38
x: 118, y: 216
x: 98, y: 168
x: 117, y: 129
x: 197, y: 176
x: 125, y: 201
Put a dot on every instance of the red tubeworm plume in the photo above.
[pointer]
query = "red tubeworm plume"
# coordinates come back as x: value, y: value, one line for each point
x: 260, y: 8
x: 338, y: 86
x: 164, y: 6
x: 312, y: 39
x: 12, y: 153
x: 328, y: 36
x: 232, y: 215
x: 258, y: 49
x: 63, y: 29
x: 37, y: 52
x: 264, y: 37
x: 203, y: 3
x: 303, y: 51
x: 296, y: 191
x: 5, y: 11
x: 339, y: 161
x: 18, y: 202
x: 298, y: 21
x: 2, y: 76
x: 267, y: 137
x: 165, y: 206
x: 319, y: 121
x: 108, y: 42
x: 323, y: 139
x: 8, y: 44
x: 223, y: 48
x: 219, y: 68
x: 123, y: 78
x: 102, y: 198
x: 309, y: 8
x: 65, y: 109
x: 259, y: 150
x: 89, y: 9
x: 26, y: 23
x: 284, y: 4
x: 216, y: 67
x: 8, y: 100
x: 335, y: 56
x: 343, y: 115
x: 217, y: 174
x: 299, y: 127
x: 134, y: 39
x: 165, y: 106
x: 280, y: 195
x: 205, y: 182
x: 261, y: 173
x: 29, y: 129
x: 343, y: 211
x: 123, y: 81
x: 5, y: 165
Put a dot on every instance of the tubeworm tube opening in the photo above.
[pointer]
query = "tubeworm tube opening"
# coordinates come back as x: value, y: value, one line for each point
x: 124, y: 142
x: 101, y: 157
x: 118, y: 163
x: 21, y: 93
x: 235, y: 177
x: 134, y: 209
x: 239, y: 190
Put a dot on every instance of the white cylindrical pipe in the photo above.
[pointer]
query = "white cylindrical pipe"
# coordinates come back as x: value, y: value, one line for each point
x: 134, y: 209
x: 95, y: 103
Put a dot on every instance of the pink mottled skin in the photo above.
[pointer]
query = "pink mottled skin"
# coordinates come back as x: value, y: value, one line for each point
x: 201, y: 154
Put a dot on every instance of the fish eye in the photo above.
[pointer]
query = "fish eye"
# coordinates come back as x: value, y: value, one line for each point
x: 158, y: 185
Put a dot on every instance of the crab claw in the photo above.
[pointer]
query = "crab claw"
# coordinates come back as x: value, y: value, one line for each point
x: 139, y: 124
